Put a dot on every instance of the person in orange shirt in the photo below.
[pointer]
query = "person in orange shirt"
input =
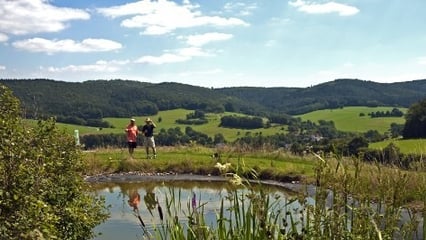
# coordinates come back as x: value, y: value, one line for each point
x: 132, y: 133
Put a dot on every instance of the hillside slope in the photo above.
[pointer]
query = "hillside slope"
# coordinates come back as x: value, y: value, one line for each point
x: 334, y: 94
x: 122, y: 98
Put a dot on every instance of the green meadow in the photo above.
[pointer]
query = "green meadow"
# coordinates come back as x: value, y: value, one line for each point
x: 416, y: 146
x: 345, y: 119
x: 348, y: 119
x: 167, y: 119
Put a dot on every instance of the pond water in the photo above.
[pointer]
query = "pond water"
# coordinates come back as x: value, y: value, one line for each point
x: 124, y: 222
x: 132, y: 197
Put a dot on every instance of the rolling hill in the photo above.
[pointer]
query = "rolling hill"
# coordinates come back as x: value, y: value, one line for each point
x: 97, y: 99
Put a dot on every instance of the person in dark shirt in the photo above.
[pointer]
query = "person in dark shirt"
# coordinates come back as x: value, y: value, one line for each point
x: 148, y: 132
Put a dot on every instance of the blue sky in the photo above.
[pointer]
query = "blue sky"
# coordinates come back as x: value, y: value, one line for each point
x: 214, y: 43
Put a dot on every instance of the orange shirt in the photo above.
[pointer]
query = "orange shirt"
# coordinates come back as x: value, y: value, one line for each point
x: 132, y: 132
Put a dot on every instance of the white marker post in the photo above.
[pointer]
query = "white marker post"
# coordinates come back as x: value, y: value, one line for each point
x: 77, y: 138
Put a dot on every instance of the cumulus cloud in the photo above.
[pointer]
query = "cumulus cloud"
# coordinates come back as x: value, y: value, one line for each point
x: 324, y: 8
x: 66, y: 45
x: 202, y: 39
x: 3, y: 37
x: 2, y: 67
x: 163, y: 16
x: 20, y: 17
x: 179, y: 55
x: 99, y: 66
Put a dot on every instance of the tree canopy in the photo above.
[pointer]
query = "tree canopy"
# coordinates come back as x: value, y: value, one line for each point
x: 95, y: 99
x: 415, y: 124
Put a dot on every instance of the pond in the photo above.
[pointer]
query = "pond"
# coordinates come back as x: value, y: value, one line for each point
x: 142, y: 207
x: 124, y: 222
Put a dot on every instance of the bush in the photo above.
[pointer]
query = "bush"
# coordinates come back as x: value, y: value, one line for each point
x: 42, y: 193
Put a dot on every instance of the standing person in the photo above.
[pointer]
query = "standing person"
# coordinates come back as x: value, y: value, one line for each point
x: 148, y: 131
x: 132, y: 133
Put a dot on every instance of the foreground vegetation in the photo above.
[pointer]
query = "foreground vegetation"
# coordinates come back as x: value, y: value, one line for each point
x: 42, y: 192
x: 352, y: 199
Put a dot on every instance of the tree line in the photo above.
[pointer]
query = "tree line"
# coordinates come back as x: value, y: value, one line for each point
x: 395, y: 112
x: 96, y: 99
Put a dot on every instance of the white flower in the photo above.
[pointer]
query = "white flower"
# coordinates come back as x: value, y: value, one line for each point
x: 223, y: 167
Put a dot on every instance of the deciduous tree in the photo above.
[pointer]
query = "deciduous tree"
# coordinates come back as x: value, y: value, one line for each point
x: 42, y: 193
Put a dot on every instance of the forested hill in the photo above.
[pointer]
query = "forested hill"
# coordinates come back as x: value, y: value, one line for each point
x: 122, y: 98
x: 334, y: 94
x: 118, y: 98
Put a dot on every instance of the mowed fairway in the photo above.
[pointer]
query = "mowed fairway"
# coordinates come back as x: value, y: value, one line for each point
x: 348, y: 119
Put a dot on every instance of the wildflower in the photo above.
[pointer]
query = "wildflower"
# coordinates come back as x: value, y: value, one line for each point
x: 236, y: 180
x: 194, y: 201
x: 222, y: 167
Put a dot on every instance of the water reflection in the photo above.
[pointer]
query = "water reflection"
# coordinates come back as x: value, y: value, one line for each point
x: 131, y: 219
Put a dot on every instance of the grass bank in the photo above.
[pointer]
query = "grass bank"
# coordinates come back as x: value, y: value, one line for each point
x: 266, y: 165
x: 273, y: 165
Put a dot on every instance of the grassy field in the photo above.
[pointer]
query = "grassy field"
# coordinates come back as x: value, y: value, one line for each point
x: 348, y: 119
x: 345, y: 119
x: 417, y: 146
x: 168, y: 119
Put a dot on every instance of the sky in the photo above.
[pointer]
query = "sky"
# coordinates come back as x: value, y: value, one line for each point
x: 214, y: 43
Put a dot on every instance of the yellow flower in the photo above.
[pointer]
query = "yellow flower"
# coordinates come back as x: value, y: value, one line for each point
x: 223, y: 167
x: 236, y: 180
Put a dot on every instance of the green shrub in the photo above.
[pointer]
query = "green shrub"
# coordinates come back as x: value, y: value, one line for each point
x: 42, y: 194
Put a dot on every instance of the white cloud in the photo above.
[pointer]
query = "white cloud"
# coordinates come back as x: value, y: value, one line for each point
x: 421, y: 60
x: 162, y: 59
x: 179, y: 55
x: 161, y: 17
x: 66, y: 45
x: 279, y: 21
x: 193, y: 52
x: 324, y: 8
x: 240, y: 8
x: 202, y: 39
x: 99, y: 66
x: 2, y: 67
x: 34, y: 16
x: 3, y: 37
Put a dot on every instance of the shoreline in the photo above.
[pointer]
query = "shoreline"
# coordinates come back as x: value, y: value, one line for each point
x: 295, y: 186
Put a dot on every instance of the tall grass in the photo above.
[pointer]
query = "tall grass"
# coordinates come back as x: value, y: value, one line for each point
x: 349, y: 200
